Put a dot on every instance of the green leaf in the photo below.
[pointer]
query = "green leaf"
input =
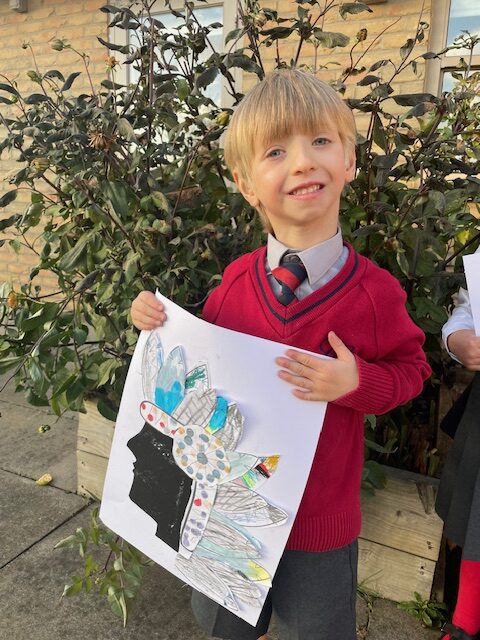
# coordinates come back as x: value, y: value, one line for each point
x: 126, y: 130
x: 375, y: 474
x: 206, y: 77
x: 277, y: 33
x: 412, y: 99
x: 69, y: 541
x: 131, y: 266
x: 437, y: 198
x: 113, y: 86
x: 116, y: 192
x: 9, y: 222
x: 331, y: 39
x: 8, y: 197
x: 54, y: 73
x: 64, y: 386
x: 403, y: 263
x: 380, y: 63
x: 353, y: 7
x: 70, y: 259
x: 407, y: 48
x: 80, y: 335
x: 234, y: 35
x: 368, y: 79
x: 114, y: 47
x: 72, y: 589
x: 46, y: 313
x: 36, y: 98
x: 119, y: 607
x: 70, y: 80
x: 110, y: 8
x: 106, y: 410
x: 379, y: 135
x: 9, y: 88
x: 8, y: 363
x: 377, y: 447
x: 241, y: 61
x: 106, y: 370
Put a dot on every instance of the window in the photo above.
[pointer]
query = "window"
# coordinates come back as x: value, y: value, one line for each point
x: 449, y: 18
x: 222, y: 12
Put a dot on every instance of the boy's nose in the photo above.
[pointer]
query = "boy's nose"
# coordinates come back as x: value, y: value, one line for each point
x: 302, y: 161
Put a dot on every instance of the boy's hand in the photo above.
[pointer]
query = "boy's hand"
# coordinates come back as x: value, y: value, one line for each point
x: 466, y: 346
x: 318, y: 379
x: 147, y: 311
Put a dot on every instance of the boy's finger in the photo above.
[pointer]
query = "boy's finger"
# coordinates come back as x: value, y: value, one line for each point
x: 304, y: 359
x: 296, y: 380
x: 340, y: 348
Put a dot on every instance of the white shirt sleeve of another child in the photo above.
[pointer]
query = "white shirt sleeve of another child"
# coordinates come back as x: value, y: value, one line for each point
x: 461, y: 318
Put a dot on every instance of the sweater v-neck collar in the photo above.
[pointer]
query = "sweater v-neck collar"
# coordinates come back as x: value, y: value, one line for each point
x: 287, y: 319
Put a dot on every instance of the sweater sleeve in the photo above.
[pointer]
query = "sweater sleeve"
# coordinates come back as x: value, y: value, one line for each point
x: 397, y: 373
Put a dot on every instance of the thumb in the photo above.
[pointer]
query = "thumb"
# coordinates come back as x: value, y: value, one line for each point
x: 340, y: 348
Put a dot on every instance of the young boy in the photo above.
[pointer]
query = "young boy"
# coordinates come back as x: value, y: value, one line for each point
x: 291, y: 150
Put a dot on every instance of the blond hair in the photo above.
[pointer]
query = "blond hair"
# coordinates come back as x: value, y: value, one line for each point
x: 284, y: 102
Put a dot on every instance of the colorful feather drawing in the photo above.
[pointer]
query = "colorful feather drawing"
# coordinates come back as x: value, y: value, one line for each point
x: 204, y: 498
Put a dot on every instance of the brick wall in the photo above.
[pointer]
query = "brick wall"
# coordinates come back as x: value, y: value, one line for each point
x: 79, y: 22
x: 390, y: 24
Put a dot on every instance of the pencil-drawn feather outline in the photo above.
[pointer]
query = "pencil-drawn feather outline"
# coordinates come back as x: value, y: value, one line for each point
x: 216, y: 554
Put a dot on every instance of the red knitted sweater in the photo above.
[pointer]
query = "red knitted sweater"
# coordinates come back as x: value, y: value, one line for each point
x: 365, y: 306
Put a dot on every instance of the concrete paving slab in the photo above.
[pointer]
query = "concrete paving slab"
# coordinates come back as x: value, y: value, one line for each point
x: 388, y: 622
x: 28, y: 453
x: 31, y: 585
x: 29, y: 512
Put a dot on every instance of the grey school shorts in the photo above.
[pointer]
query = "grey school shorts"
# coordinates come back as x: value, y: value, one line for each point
x: 313, y: 597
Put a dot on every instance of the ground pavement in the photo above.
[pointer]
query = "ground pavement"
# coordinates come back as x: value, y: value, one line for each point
x: 32, y: 573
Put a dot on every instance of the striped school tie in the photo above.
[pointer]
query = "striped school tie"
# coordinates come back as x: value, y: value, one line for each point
x: 289, y: 274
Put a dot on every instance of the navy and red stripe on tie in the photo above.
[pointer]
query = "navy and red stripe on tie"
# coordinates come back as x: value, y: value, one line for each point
x: 289, y: 274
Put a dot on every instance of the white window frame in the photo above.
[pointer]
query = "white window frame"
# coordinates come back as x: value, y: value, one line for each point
x: 120, y: 37
x: 435, y: 68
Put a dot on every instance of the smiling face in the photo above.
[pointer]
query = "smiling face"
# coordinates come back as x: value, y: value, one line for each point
x: 290, y: 146
x: 297, y: 182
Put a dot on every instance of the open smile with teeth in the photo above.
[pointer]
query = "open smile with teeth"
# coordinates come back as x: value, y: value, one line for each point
x: 304, y: 190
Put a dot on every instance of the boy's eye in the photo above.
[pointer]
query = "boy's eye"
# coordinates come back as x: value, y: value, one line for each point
x: 320, y: 141
x: 273, y: 153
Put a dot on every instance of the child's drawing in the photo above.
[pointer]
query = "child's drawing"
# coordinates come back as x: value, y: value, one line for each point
x: 191, y: 479
x: 210, y: 457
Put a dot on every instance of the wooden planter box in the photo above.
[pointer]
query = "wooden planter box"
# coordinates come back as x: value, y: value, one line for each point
x: 401, y: 535
x: 94, y: 440
x: 400, y: 539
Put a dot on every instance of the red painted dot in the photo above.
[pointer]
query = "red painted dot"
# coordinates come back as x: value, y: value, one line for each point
x: 197, y: 502
x: 150, y: 417
x: 162, y: 424
x: 143, y: 406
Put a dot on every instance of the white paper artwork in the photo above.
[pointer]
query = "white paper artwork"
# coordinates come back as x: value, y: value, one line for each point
x: 210, y: 458
x: 472, y: 274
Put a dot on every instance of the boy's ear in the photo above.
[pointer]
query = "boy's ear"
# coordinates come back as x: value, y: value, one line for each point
x: 246, y: 189
x: 350, y: 164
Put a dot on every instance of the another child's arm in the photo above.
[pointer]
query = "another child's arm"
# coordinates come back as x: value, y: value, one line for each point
x: 459, y: 335
x: 465, y: 346
x: 147, y: 311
